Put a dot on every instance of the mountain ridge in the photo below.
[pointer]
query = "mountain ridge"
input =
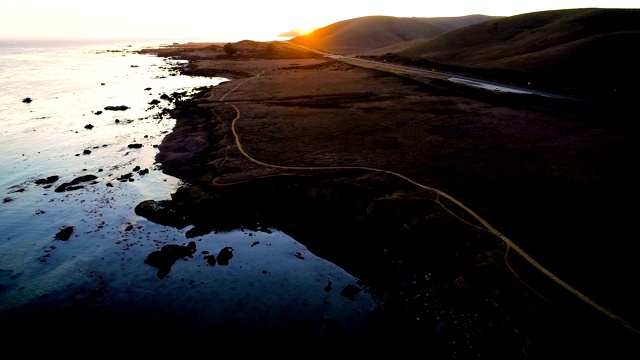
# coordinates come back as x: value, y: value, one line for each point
x: 372, y: 32
x: 583, y: 52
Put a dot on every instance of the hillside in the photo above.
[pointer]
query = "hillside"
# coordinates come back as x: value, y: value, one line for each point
x: 579, y: 52
x: 359, y: 35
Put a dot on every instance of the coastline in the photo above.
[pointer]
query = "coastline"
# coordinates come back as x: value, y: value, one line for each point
x: 325, y: 128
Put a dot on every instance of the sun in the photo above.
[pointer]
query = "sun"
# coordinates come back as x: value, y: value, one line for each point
x: 304, y: 30
x: 307, y: 26
x: 303, y: 27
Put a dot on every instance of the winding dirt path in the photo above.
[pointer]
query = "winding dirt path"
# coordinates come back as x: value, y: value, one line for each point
x: 484, y: 225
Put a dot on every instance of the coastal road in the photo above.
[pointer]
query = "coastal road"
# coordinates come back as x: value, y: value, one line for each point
x: 481, y: 83
x: 408, y: 70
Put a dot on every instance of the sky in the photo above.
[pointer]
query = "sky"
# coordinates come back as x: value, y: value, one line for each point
x: 235, y: 20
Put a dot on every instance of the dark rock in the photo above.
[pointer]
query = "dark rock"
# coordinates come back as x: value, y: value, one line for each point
x: 86, y: 152
x: 65, y: 233
x: 162, y: 212
x: 211, y: 260
x: 328, y: 287
x: 164, y: 258
x: 350, y: 291
x: 135, y: 146
x: 27, y: 100
x: 225, y: 255
x: 125, y: 177
x: 97, y: 112
x: 62, y: 188
x: 88, y: 126
x: 73, y: 185
x: 47, y: 180
x: 83, y: 178
x: 116, y: 108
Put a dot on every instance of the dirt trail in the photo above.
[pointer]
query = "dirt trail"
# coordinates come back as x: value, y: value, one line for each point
x: 483, y: 223
x: 553, y: 176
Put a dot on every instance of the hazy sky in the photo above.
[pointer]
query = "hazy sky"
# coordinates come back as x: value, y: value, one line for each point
x: 235, y: 20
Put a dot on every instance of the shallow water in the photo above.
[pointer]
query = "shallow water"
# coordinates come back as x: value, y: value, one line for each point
x: 271, y: 278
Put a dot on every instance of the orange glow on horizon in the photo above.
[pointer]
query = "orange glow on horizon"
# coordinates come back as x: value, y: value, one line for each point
x: 232, y: 21
x: 305, y: 30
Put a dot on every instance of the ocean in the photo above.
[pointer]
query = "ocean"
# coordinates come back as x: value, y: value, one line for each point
x: 92, y: 111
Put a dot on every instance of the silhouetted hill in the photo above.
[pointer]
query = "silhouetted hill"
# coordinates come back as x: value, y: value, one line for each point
x: 362, y: 34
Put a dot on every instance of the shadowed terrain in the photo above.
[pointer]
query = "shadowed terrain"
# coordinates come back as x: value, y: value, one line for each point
x: 484, y: 224
x: 345, y: 159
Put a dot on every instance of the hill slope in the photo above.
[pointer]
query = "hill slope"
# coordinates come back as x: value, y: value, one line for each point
x: 373, y: 32
x: 581, y: 52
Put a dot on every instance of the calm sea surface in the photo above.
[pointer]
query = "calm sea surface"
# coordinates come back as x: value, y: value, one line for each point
x: 65, y: 131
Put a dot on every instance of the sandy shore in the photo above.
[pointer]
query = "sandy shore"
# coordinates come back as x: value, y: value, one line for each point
x: 358, y: 165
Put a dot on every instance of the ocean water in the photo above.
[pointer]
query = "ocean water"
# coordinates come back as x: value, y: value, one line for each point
x: 66, y: 132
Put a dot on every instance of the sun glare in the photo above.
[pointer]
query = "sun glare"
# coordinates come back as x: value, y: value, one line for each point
x: 304, y: 30
x: 307, y: 30
x: 307, y: 26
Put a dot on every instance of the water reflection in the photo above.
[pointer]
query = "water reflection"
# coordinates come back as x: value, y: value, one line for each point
x: 73, y: 250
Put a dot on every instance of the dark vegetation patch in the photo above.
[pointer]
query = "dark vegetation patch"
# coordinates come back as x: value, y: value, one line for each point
x: 332, y: 101
x: 335, y: 64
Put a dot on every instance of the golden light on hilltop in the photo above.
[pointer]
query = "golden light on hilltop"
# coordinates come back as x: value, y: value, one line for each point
x: 305, y: 30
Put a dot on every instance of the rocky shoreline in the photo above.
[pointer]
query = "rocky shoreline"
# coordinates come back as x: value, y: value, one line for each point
x: 399, y: 239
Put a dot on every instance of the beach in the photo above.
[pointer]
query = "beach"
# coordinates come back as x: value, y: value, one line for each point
x: 369, y: 170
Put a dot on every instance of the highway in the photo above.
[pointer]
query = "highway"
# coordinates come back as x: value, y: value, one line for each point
x: 481, y: 83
